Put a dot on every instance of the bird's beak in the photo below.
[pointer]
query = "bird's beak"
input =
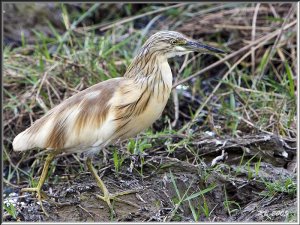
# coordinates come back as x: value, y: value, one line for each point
x: 199, y: 47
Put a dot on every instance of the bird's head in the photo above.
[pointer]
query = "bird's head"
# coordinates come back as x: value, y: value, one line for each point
x: 172, y: 43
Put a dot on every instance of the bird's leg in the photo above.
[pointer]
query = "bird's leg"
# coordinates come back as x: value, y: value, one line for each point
x: 38, y: 188
x: 107, y: 197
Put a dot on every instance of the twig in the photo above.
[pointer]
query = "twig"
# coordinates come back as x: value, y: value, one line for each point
x: 236, y: 87
x: 219, y: 158
x: 262, y: 41
x: 239, y: 27
x: 176, y: 107
x: 253, y: 36
x: 80, y: 206
x: 10, y: 184
x: 272, y: 52
x: 74, y: 25
x: 145, y: 31
x: 258, y: 41
x: 37, y: 97
x: 16, y: 167
x: 273, y: 11
x: 104, y: 27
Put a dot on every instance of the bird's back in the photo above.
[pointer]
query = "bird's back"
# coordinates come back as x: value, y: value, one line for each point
x: 73, y: 122
x: 111, y: 110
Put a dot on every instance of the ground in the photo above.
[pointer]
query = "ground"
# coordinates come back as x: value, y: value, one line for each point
x: 172, y: 187
x: 224, y: 149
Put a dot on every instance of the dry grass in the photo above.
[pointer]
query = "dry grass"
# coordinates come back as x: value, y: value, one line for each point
x: 251, y: 91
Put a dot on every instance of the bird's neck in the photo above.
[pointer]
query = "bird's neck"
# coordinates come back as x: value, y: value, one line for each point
x: 150, y: 66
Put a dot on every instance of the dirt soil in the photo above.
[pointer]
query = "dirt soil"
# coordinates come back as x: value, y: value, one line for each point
x: 251, y: 178
x: 232, y: 195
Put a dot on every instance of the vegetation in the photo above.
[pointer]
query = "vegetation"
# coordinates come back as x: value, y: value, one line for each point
x: 237, y: 110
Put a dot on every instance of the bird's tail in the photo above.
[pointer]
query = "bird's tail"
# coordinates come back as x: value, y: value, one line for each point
x: 23, y: 142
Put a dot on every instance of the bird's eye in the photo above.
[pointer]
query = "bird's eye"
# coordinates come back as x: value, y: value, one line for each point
x: 173, y: 42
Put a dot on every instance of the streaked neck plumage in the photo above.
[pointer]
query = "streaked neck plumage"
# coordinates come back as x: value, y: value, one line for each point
x: 150, y: 65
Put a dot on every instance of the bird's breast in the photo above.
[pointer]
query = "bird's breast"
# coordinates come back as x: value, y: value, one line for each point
x: 137, y: 104
x: 152, y: 112
x: 136, y: 115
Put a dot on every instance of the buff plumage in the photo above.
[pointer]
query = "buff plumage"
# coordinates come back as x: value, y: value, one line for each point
x: 112, y: 110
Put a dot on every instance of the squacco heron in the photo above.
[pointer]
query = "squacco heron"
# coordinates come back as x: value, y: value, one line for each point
x: 111, y: 110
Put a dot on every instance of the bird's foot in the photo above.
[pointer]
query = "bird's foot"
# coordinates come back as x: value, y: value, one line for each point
x: 40, y: 195
x: 114, y: 197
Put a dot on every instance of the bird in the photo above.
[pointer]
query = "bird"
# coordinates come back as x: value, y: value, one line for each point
x: 112, y: 110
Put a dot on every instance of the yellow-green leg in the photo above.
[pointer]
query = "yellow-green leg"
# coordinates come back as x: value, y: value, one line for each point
x: 107, y: 197
x: 38, y: 189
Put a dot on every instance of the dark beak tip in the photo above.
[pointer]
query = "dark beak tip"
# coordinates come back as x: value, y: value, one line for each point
x: 217, y: 50
x: 226, y: 52
x: 199, y: 45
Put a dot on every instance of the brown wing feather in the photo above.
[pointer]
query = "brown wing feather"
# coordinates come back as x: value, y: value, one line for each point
x: 92, y: 105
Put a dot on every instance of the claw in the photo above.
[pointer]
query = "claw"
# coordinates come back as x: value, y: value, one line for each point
x: 40, y: 194
x: 38, y: 189
x: 107, y: 197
